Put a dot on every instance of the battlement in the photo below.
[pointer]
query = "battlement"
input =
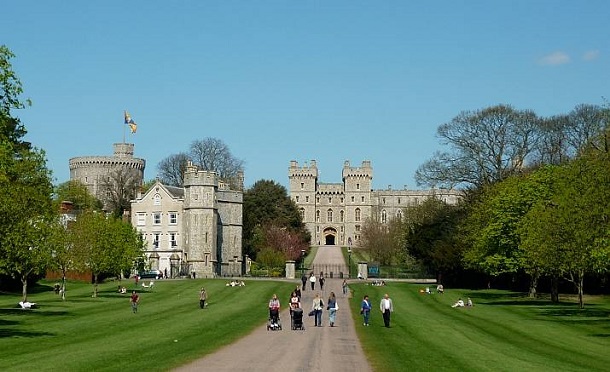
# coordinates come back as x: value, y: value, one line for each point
x: 364, y: 171
x: 307, y: 170
x: 195, y: 177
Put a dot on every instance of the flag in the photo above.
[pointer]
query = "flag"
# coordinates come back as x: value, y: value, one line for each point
x: 129, y: 121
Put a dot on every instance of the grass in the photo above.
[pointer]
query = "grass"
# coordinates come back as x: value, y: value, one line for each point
x: 504, y: 331
x: 102, y: 334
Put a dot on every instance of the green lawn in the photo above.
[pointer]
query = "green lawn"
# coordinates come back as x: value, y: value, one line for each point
x: 85, y: 333
x: 504, y: 331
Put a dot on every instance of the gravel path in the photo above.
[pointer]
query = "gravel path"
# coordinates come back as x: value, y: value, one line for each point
x: 314, y: 349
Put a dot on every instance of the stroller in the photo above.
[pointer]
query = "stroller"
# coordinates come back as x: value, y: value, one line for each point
x: 297, y: 319
x: 274, y: 323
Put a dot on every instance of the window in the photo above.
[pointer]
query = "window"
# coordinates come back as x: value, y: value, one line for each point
x: 329, y: 215
x: 342, y: 229
x: 317, y: 228
x: 341, y: 216
x: 352, y: 199
x: 330, y: 200
x: 141, y: 219
x: 398, y: 200
x: 296, y: 198
x: 302, y: 185
x: 383, y: 200
x: 317, y: 216
x: 156, y: 240
x: 157, y: 218
x: 357, y: 186
x: 302, y: 211
x: 357, y: 214
x: 399, y: 214
x: 362, y: 199
x: 173, y: 218
x: 384, y: 216
x: 172, y: 240
x: 317, y: 199
x: 358, y: 228
x: 157, y: 199
x: 307, y: 199
x: 341, y: 200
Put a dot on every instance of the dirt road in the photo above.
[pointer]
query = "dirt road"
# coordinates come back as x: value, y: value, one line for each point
x: 314, y: 349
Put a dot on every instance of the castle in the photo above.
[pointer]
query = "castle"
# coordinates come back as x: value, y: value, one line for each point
x: 335, y: 212
x: 192, y: 230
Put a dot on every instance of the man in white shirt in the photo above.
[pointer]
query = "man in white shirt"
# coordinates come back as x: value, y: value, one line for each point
x: 386, y: 308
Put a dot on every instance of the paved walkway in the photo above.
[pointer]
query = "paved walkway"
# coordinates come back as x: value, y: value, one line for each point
x: 314, y: 349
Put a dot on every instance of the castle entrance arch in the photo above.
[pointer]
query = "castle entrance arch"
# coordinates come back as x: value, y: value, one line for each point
x: 330, y: 236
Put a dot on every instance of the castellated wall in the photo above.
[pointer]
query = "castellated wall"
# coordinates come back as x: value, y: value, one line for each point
x: 93, y: 171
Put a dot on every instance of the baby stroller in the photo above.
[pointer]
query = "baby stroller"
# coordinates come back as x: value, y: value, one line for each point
x: 297, y: 319
x: 274, y: 323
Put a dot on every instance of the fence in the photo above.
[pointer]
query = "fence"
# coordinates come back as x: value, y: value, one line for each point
x: 329, y: 270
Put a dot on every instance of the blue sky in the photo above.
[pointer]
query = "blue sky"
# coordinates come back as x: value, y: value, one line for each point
x: 295, y: 80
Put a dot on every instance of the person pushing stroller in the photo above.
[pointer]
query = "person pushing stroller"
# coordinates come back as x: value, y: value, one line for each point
x: 274, y: 314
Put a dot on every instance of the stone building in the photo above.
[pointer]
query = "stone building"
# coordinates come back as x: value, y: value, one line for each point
x: 335, y: 212
x: 192, y: 230
x: 97, y: 172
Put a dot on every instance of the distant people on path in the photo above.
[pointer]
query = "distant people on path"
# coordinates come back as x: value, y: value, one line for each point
x: 387, y: 307
x: 365, y: 309
x: 135, y: 300
x: 304, y: 281
x: 312, y: 281
x: 321, y: 281
x: 317, y: 306
x: 344, y: 286
x: 459, y: 303
x: 440, y: 289
x: 332, y: 308
x: 202, y: 297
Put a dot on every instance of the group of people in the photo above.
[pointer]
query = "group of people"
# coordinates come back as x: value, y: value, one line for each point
x: 460, y: 303
x: 235, y: 283
x: 386, y: 306
x: 312, y: 281
x: 317, y: 307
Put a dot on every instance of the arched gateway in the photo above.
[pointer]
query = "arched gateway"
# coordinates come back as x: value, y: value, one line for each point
x: 330, y: 236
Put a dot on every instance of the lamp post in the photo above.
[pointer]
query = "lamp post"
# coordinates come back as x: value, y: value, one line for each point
x: 349, y: 260
x: 302, y: 262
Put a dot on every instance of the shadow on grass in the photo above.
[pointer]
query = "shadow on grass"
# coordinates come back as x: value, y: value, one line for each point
x: 32, y: 312
x: 6, y: 333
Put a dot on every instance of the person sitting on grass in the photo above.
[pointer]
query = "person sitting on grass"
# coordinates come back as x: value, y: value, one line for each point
x: 459, y: 303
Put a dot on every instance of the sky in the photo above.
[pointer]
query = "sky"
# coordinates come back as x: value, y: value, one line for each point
x: 294, y: 80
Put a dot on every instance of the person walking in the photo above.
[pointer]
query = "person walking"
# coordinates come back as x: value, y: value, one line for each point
x: 321, y: 281
x: 344, y: 287
x: 386, y: 308
x: 297, y: 291
x: 202, y: 297
x: 135, y: 300
x: 304, y: 281
x: 274, y: 310
x: 312, y: 281
x: 332, y: 308
x: 365, y: 309
x: 317, y: 306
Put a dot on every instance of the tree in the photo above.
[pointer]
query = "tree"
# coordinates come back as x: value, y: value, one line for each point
x: 485, y: 146
x: 104, y: 245
x: 120, y: 188
x: 25, y: 188
x: 171, y: 169
x: 267, y: 204
x: 383, y: 242
x: 77, y: 193
x: 209, y: 154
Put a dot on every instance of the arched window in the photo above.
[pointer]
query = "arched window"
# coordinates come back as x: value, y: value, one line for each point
x: 329, y: 215
x: 157, y: 199
x: 318, y: 216
x: 384, y: 216
x: 341, y: 216
x: 302, y: 211
x: 399, y: 214
x: 357, y: 214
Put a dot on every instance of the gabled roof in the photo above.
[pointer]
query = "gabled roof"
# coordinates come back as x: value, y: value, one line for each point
x: 171, y: 191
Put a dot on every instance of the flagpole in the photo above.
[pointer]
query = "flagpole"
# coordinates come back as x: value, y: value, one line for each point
x: 124, y: 129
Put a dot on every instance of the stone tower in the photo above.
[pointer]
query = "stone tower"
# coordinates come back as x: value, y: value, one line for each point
x: 94, y: 171
x: 357, y: 182
x: 303, y: 184
x: 212, y: 224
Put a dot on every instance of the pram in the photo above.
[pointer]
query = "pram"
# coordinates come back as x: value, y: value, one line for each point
x: 296, y: 318
x: 274, y: 323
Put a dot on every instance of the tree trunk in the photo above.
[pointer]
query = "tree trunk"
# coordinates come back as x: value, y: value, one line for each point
x: 580, y: 287
x: 94, y: 285
x: 24, y: 288
x: 63, y: 284
x: 533, y: 285
x: 555, y: 288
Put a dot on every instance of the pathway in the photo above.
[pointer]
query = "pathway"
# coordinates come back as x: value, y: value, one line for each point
x: 314, y: 349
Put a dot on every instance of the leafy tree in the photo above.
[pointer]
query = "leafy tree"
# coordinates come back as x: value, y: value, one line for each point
x: 210, y: 154
x: 104, y: 245
x: 432, y: 237
x: 383, y: 242
x: 485, y: 146
x: 267, y: 204
x: 77, y: 193
x: 25, y: 188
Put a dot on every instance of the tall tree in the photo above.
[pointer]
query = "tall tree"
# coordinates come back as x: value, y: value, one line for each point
x: 267, y: 204
x: 485, y: 146
x: 77, y: 193
x: 210, y: 154
x: 383, y: 241
x: 120, y: 187
x: 25, y: 188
